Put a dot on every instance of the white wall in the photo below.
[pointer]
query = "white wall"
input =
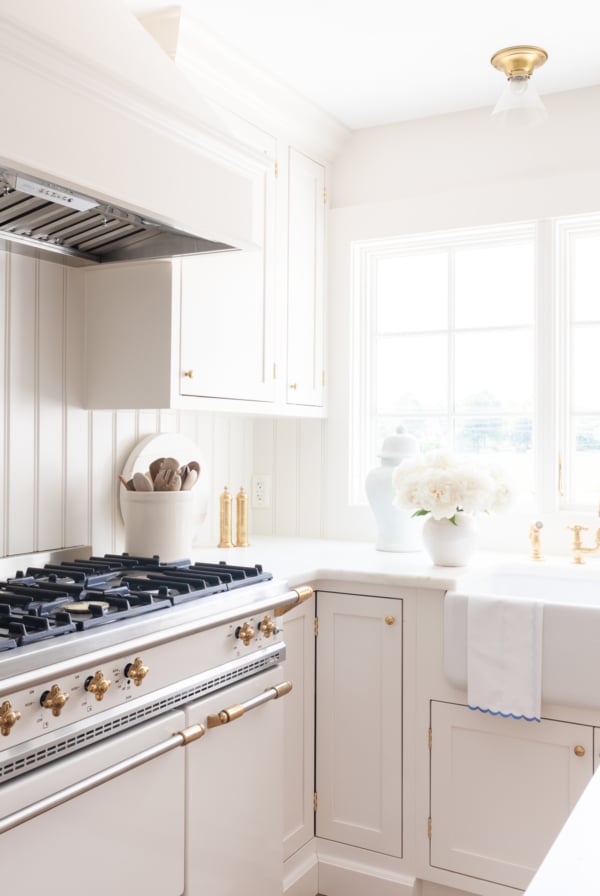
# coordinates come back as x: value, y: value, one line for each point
x: 59, y: 463
x: 433, y: 174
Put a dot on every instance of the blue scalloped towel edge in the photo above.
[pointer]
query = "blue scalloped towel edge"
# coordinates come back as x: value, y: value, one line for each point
x: 505, y: 715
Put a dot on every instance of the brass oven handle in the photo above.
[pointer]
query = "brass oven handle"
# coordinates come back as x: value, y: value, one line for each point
x: 178, y: 739
x: 239, y: 709
x: 302, y: 592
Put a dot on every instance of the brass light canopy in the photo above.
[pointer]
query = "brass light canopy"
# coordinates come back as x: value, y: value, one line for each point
x: 515, y: 61
x: 519, y: 104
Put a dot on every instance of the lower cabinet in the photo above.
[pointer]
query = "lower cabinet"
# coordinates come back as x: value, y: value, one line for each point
x: 359, y: 721
x: 299, y: 730
x: 501, y: 789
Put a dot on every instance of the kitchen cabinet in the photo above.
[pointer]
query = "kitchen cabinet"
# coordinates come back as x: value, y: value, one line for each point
x: 299, y: 727
x: 305, y: 280
x: 501, y: 789
x: 359, y: 721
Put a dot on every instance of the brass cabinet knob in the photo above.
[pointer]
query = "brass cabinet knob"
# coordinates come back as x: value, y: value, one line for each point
x: 97, y: 685
x: 54, y: 699
x: 389, y: 620
x: 189, y: 374
x: 579, y: 750
x: 293, y: 385
x: 266, y: 627
x: 245, y: 633
x: 136, y: 671
x: 8, y: 717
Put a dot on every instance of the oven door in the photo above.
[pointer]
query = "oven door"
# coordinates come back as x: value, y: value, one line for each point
x: 124, y: 836
x: 235, y: 793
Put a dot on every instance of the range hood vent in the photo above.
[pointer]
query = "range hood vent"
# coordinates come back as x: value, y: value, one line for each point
x: 46, y: 216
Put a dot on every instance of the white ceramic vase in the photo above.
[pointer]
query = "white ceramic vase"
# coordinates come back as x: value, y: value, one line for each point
x: 448, y: 544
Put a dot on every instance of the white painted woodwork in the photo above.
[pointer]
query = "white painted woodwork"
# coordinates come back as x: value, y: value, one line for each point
x: 165, y: 152
x: 501, y: 789
x: 359, y: 721
x: 234, y: 795
x: 305, y: 288
x: 299, y: 728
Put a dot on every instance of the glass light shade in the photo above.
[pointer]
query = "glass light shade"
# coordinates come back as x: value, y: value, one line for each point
x: 520, y: 105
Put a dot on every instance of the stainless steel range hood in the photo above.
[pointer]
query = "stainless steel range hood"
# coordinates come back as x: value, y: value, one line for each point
x: 108, y: 152
x: 46, y: 216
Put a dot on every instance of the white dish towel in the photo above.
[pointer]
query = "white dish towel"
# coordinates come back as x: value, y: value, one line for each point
x: 504, y: 656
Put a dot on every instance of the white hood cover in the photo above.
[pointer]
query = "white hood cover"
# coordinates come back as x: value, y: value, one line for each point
x: 91, y: 103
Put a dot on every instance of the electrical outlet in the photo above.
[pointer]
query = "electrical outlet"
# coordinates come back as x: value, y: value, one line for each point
x: 261, y: 492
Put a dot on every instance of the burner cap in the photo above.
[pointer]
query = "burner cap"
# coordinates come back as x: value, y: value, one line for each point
x: 84, y: 606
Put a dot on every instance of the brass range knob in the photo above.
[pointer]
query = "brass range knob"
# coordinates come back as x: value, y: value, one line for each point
x: 266, y: 627
x: 136, y: 671
x: 8, y: 717
x: 98, y: 685
x: 245, y: 633
x: 54, y: 699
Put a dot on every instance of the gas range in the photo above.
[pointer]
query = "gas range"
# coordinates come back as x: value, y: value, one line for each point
x: 92, y: 647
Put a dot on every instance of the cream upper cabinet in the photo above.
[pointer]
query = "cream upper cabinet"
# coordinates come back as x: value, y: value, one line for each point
x: 359, y: 721
x: 305, y: 280
x: 501, y: 789
x: 227, y: 347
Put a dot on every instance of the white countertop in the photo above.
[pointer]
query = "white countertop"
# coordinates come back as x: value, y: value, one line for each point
x: 302, y: 560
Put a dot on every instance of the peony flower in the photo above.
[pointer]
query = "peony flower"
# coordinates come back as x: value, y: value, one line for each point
x: 444, y: 484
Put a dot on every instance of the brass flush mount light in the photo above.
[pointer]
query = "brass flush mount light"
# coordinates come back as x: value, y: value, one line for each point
x: 519, y: 104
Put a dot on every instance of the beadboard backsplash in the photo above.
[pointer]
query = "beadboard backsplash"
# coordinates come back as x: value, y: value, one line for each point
x: 60, y: 462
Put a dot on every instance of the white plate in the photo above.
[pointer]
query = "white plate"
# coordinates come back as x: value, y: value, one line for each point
x: 170, y: 444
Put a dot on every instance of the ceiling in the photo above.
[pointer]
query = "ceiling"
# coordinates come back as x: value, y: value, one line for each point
x: 385, y: 61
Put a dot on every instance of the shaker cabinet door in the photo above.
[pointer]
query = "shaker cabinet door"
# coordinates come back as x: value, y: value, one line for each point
x: 501, y: 789
x: 359, y: 721
x: 227, y: 345
x: 306, y: 237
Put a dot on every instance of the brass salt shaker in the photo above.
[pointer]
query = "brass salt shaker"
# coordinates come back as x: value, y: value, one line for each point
x: 241, y: 519
x: 225, y: 520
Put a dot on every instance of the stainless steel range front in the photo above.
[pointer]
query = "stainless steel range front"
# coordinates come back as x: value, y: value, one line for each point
x: 107, y: 667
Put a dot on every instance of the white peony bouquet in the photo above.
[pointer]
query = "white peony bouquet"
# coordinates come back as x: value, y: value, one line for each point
x: 444, y: 484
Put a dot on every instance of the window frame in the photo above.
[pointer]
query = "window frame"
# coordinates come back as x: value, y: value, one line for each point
x: 549, y: 399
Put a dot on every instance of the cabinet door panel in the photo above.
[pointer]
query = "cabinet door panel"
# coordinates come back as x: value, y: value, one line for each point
x: 359, y: 721
x: 501, y: 789
x: 299, y: 730
x: 306, y: 221
x: 227, y: 303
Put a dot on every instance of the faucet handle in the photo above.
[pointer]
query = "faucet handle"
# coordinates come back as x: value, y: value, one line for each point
x: 577, y: 545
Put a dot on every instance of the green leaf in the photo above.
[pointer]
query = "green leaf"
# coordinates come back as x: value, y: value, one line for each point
x: 420, y: 512
x: 452, y: 519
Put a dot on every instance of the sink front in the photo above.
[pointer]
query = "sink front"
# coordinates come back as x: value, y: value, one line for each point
x: 571, y: 628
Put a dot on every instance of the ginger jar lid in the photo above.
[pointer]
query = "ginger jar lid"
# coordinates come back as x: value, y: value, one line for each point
x: 398, y: 446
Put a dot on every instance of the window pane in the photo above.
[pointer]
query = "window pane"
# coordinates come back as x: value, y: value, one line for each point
x: 586, y: 277
x: 494, y: 371
x: 412, y: 293
x: 586, y: 369
x: 411, y: 374
x: 495, y: 286
x: 506, y: 441
x: 431, y: 432
x: 585, y: 461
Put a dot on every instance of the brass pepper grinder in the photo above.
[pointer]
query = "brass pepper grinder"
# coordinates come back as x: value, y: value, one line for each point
x: 241, y: 519
x: 225, y: 520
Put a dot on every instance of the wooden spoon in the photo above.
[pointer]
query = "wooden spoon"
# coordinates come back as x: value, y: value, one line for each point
x: 141, y: 483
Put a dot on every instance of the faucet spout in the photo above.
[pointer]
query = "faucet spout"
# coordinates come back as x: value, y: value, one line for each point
x: 578, y: 547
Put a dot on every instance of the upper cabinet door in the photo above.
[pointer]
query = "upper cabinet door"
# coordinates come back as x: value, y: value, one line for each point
x: 227, y: 301
x: 306, y: 236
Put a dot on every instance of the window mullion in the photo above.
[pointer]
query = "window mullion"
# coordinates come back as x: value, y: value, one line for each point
x: 450, y: 411
x: 546, y: 375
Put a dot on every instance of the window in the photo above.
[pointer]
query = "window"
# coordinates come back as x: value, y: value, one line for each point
x: 484, y: 341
